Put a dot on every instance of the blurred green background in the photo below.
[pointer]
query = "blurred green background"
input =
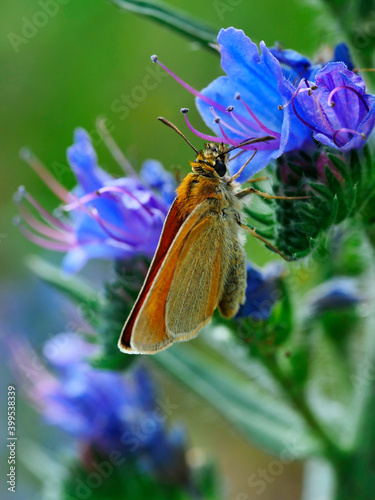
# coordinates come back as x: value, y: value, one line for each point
x: 74, y: 69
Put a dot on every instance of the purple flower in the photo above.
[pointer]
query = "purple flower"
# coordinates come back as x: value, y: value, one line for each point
x: 336, y: 107
x: 102, y: 410
x: 262, y: 291
x: 109, y: 218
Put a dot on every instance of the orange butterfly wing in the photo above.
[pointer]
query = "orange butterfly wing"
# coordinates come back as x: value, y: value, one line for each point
x: 157, y: 319
x: 171, y: 227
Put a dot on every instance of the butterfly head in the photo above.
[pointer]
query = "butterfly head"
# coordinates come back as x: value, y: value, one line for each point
x: 211, y: 161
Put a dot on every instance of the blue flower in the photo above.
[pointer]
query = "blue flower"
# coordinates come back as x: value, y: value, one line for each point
x: 335, y: 294
x: 244, y: 104
x: 109, y: 218
x: 258, y: 97
x: 262, y: 291
x: 296, y: 66
x: 336, y: 107
x: 103, y: 410
x: 163, y: 182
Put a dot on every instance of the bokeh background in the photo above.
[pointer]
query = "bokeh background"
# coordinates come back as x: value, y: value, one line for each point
x: 72, y: 71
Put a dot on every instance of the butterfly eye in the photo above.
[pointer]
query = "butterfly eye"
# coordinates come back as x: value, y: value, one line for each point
x: 220, y: 168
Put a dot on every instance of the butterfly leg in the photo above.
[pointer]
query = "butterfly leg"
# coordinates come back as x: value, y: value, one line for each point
x: 251, y: 190
x: 254, y: 233
x: 258, y: 179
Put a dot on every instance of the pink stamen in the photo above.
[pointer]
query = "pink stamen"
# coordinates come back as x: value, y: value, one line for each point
x: 217, y: 106
x: 347, y: 130
x: 248, y: 128
x: 299, y: 90
x: 44, y: 229
x: 228, y: 140
x: 44, y: 174
x: 79, y: 202
x: 238, y: 132
x: 188, y: 87
x: 42, y: 242
x: 205, y: 137
x: 341, y: 87
x: 254, y: 117
x: 46, y: 215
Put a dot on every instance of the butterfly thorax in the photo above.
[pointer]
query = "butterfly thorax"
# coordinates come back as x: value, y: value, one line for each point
x: 208, y: 181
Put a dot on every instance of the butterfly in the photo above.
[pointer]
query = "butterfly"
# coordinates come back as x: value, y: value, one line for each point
x: 200, y: 262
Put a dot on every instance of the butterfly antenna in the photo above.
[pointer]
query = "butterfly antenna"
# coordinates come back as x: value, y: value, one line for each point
x: 173, y: 127
x: 247, y: 142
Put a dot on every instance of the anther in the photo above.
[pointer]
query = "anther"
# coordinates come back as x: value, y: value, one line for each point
x: 230, y: 108
x: 184, y: 110
x: 20, y: 193
x: 25, y: 154
x: 237, y: 96
x: 217, y: 120
x: 154, y: 58
x: 280, y: 107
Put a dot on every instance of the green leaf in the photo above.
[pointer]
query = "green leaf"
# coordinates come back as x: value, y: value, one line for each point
x: 266, y: 219
x: 321, y: 189
x: 262, y: 419
x: 340, y: 166
x: 174, y: 19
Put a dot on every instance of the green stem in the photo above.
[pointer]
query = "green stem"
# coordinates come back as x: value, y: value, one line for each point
x: 355, y: 475
x: 330, y: 449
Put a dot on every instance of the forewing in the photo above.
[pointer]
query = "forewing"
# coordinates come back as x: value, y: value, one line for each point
x: 198, y: 279
x: 171, y: 226
x: 145, y: 330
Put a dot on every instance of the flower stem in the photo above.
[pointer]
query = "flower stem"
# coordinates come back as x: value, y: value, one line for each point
x: 330, y: 449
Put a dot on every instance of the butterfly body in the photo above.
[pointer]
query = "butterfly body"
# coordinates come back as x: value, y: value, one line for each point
x: 199, y: 264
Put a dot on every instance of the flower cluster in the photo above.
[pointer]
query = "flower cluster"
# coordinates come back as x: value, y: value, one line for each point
x: 103, y: 411
x: 109, y: 218
x: 280, y: 93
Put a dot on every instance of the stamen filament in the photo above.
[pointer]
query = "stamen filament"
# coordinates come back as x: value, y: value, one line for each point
x: 188, y: 87
x: 79, y: 202
x: 46, y: 215
x: 255, y: 118
x: 50, y: 245
x: 205, y: 137
x: 346, y: 87
x: 347, y: 130
x: 228, y: 140
x: 236, y: 131
x: 44, y: 174
x: 43, y: 228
